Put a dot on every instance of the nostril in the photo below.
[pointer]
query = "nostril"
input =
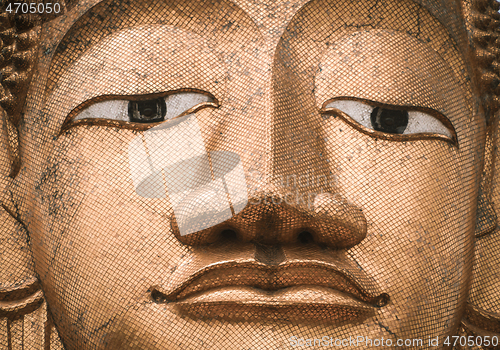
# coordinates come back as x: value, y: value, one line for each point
x: 305, y: 237
x: 157, y: 296
x: 228, y: 236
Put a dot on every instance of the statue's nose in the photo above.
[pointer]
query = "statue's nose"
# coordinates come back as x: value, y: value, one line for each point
x: 294, y: 196
x: 274, y: 217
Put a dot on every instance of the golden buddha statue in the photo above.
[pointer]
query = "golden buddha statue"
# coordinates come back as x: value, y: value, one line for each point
x: 239, y: 174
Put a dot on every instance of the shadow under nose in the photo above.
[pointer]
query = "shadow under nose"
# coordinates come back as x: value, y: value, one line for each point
x: 331, y: 221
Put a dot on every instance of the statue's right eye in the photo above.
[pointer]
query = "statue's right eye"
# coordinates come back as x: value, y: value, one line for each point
x: 144, y: 111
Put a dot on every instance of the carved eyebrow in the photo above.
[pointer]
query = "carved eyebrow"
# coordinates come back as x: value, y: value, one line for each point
x: 105, y: 71
x: 426, y: 81
x: 108, y: 17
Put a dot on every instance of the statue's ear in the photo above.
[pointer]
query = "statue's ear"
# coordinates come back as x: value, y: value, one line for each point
x: 482, y: 316
x: 15, y: 257
x: 24, y: 319
x: 20, y: 293
x: 486, y: 218
x: 18, y: 44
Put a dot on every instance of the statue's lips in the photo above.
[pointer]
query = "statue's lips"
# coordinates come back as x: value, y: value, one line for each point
x: 310, y: 303
x: 297, y: 282
x: 270, y: 278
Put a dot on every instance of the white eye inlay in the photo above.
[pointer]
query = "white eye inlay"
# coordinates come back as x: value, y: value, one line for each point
x: 416, y: 123
x: 114, y: 109
x: 176, y: 104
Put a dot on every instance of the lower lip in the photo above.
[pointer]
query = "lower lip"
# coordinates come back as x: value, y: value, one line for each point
x: 299, y: 303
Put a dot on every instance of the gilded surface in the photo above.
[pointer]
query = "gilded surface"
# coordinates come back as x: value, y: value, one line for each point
x: 249, y: 175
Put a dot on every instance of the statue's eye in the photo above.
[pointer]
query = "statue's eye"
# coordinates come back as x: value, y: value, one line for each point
x: 392, y: 120
x: 144, y: 111
x: 149, y: 111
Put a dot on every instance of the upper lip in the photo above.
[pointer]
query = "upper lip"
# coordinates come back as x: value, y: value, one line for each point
x: 298, y: 267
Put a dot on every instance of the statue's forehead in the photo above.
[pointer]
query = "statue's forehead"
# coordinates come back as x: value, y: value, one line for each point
x: 450, y: 14
x: 89, y: 21
x: 272, y: 16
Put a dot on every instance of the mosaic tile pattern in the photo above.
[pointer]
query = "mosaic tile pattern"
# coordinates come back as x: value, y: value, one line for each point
x: 245, y: 174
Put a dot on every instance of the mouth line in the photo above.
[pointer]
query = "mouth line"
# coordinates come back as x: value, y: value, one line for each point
x: 301, y: 303
x: 270, y: 281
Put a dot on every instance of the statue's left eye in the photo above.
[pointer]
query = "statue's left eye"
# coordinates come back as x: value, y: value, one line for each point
x: 146, y: 110
x: 149, y: 111
x: 391, y: 119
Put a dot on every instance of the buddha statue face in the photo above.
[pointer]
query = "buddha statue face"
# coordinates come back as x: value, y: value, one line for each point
x: 224, y: 175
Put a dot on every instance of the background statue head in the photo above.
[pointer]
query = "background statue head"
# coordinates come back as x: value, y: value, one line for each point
x: 218, y: 174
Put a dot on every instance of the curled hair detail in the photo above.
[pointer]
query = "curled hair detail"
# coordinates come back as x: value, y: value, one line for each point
x: 19, y: 41
x: 484, y: 23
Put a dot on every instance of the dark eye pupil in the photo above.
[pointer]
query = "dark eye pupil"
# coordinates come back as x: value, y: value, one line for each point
x: 150, y: 111
x: 392, y: 121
